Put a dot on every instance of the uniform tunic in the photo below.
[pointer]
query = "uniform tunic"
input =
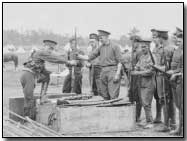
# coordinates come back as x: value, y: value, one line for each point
x: 129, y: 61
x: 77, y: 73
x: 177, y: 89
x: 146, y: 84
x: 110, y: 56
x: 163, y: 56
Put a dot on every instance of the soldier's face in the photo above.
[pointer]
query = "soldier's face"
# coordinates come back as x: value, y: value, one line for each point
x: 103, y: 39
x: 156, y: 40
x: 155, y: 37
x: 93, y: 42
x: 144, y: 49
x: 174, y: 39
x: 135, y: 45
x: 48, y: 48
x: 179, y: 42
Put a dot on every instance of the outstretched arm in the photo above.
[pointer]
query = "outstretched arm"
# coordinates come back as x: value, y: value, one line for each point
x: 92, y: 56
x: 54, y: 58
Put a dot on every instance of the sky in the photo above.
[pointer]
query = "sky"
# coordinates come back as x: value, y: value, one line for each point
x: 117, y: 18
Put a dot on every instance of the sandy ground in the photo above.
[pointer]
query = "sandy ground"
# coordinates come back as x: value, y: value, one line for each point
x: 12, y: 88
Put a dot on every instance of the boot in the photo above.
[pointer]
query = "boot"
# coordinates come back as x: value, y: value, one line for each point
x: 172, y: 115
x: 158, y: 113
x: 164, y: 128
x: 138, y: 112
x: 148, y: 125
x: 175, y: 132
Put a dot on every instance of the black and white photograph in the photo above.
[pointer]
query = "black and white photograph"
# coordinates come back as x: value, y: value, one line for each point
x: 92, y: 69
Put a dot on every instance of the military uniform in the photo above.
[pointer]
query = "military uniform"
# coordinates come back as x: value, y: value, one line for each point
x: 27, y: 80
x: 162, y: 55
x: 95, y: 69
x: 110, y: 56
x: 77, y: 88
x: 35, y: 69
x: 134, y: 89
x: 146, y: 83
x: 177, y: 85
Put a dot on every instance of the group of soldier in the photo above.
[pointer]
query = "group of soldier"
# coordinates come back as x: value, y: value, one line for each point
x: 156, y: 72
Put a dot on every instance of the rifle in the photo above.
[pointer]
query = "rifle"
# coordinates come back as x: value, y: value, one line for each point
x: 159, y: 70
x: 164, y: 90
x: 131, y: 94
x: 73, y: 69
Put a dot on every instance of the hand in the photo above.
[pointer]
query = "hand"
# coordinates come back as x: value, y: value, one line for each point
x: 72, y: 62
x: 170, y: 72
x: 134, y: 72
x: 88, y: 65
x: 137, y: 67
x: 173, y: 76
x: 116, y: 78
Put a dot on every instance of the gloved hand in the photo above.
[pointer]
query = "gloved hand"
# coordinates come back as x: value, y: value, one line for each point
x: 116, y: 78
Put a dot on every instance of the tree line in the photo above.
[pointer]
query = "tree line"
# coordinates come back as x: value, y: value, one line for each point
x: 33, y: 37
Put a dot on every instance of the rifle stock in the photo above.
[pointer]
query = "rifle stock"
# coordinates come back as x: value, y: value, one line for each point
x: 73, y: 69
x: 159, y: 70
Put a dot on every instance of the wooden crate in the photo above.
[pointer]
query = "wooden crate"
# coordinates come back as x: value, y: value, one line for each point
x: 16, y: 105
x: 92, y: 119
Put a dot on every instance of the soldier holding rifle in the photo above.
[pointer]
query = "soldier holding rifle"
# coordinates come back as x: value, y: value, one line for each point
x: 145, y: 72
x: 110, y: 60
x: 94, y: 66
x: 134, y: 94
x: 73, y: 81
x: 35, y: 69
x: 162, y: 55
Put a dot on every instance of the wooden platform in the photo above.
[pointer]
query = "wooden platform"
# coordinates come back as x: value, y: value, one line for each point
x: 80, y: 119
x: 94, y: 119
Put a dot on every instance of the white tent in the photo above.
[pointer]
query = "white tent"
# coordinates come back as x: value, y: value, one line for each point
x: 8, y: 49
x: 5, y: 50
x: 20, y: 50
x: 11, y: 47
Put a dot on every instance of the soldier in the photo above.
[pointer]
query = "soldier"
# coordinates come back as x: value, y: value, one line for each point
x: 162, y: 55
x: 146, y: 80
x: 178, y: 31
x: 73, y: 81
x: 134, y: 80
x: 177, y: 80
x: 110, y: 60
x: 94, y: 66
x: 35, y: 69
